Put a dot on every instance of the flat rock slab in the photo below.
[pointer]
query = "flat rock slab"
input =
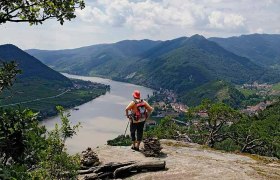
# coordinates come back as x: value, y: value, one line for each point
x: 193, y: 162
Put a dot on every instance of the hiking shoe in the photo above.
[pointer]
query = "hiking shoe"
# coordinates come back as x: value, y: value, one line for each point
x: 135, y: 148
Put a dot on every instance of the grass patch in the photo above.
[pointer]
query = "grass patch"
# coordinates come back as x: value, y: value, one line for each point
x: 262, y: 159
x: 247, y: 92
x: 120, y: 141
x: 276, y: 87
x: 176, y: 144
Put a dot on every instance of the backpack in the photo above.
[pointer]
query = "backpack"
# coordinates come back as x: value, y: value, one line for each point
x: 141, y: 113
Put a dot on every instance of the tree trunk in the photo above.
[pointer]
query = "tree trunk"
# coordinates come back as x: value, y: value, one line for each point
x: 138, y: 167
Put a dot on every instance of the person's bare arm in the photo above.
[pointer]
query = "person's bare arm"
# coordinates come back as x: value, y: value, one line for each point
x: 128, y: 108
x: 149, y: 108
x: 126, y: 113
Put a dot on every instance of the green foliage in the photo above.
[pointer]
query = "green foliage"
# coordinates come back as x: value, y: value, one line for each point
x: 8, y: 72
x: 55, y: 162
x: 37, y: 11
x: 31, y: 89
x: 21, y: 136
x: 30, y: 66
x: 212, y: 127
x: 217, y: 91
x: 181, y: 65
x: 28, y: 151
x: 121, y: 140
x: 39, y: 81
x: 167, y: 129
x: 225, y: 129
x: 258, y: 135
x: 227, y: 145
x: 108, y: 60
x: 276, y: 87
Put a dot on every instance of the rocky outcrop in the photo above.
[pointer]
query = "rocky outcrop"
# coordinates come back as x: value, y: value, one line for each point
x: 120, y: 170
x: 91, y: 168
x: 192, y: 161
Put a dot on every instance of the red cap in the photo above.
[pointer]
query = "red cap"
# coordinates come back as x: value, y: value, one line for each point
x: 136, y: 94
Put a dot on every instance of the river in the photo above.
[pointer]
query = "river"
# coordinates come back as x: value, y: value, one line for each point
x: 102, y: 118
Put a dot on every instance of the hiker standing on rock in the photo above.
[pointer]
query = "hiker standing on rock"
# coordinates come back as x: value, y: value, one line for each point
x: 137, y: 112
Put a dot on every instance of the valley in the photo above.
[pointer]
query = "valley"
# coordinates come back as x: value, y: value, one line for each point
x: 40, y: 88
x: 139, y: 89
x: 193, y: 67
x: 193, y: 81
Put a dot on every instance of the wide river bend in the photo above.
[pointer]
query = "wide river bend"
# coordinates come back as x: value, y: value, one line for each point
x: 102, y: 118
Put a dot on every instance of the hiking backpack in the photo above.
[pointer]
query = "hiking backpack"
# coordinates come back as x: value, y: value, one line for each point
x: 141, y: 113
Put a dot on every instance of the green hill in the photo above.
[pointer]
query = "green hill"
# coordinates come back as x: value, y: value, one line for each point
x: 218, y: 91
x: 262, y: 49
x: 30, y: 66
x: 181, y: 64
x: 103, y: 59
x: 194, y: 63
x: 39, y: 81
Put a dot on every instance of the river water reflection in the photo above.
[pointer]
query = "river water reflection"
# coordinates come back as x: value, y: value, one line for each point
x: 102, y: 118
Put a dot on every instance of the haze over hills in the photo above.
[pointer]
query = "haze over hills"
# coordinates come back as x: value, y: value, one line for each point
x: 262, y: 49
x: 181, y: 64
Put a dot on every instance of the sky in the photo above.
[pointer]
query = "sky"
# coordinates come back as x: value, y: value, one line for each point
x: 108, y: 21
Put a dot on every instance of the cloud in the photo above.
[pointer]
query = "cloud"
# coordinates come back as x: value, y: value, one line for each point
x: 142, y: 15
x: 106, y: 21
x: 220, y: 20
x: 152, y: 16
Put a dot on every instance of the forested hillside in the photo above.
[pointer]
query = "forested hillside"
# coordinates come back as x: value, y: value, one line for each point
x: 30, y: 66
x: 216, y: 91
x: 97, y: 59
x: 181, y: 64
x: 38, y: 81
x: 262, y: 49
x: 195, y: 62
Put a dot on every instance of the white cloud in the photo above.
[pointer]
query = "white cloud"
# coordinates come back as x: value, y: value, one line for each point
x: 105, y: 21
x: 152, y: 16
x: 220, y: 20
x: 142, y: 15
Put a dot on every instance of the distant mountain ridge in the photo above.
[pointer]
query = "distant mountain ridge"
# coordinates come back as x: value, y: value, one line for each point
x: 181, y: 64
x: 82, y: 60
x: 262, y: 49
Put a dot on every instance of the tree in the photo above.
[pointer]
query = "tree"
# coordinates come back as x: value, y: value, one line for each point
x: 8, y: 72
x: 166, y: 129
x: 29, y: 151
x: 210, y: 127
x: 20, y: 136
x: 37, y: 11
x: 259, y: 134
x: 55, y: 162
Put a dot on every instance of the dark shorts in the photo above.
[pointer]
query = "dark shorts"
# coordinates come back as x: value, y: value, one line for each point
x: 137, y: 129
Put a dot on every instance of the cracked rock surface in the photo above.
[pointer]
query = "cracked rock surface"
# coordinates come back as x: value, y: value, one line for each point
x: 193, y: 162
